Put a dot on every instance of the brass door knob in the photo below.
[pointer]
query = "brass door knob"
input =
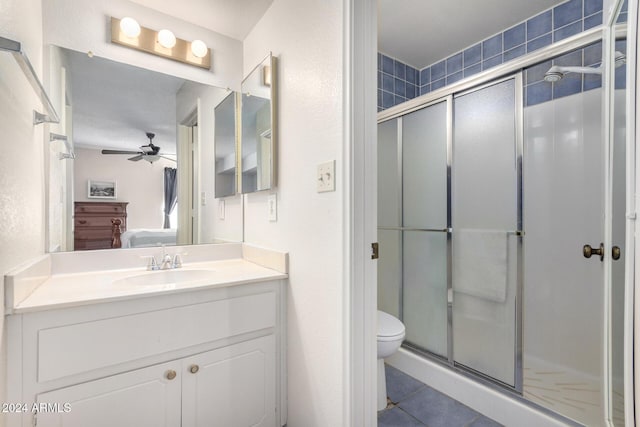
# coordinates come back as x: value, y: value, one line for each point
x: 587, y: 251
x: 615, y: 252
x: 194, y: 368
x: 171, y: 374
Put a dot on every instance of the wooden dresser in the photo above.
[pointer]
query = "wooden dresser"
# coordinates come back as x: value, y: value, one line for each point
x: 92, y: 223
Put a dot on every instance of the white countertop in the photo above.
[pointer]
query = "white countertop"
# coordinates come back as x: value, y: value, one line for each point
x: 68, y: 290
x: 41, y: 286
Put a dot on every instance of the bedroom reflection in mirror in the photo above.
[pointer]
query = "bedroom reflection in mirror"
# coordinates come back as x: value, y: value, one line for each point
x: 136, y: 128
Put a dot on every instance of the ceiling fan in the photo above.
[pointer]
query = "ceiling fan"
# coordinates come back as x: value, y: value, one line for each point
x: 149, y: 152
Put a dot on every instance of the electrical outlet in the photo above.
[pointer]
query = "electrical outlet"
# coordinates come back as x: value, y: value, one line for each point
x: 272, y: 203
x: 221, y: 209
x: 326, y: 179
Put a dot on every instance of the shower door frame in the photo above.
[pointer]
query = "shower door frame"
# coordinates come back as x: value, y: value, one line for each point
x: 449, y: 100
x: 601, y: 33
x: 518, y: 232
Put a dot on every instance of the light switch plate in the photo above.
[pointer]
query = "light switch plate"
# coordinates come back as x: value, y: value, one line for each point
x: 326, y: 178
x: 272, y: 203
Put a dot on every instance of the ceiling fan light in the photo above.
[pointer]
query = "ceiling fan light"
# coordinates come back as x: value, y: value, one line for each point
x: 199, y: 48
x: 130, y: 27
x: 166, y: 39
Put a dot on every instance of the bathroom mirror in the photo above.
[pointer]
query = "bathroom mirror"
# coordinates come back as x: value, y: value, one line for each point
x: 258, y: 134
x: 225, y: 146
x: 116, y: 115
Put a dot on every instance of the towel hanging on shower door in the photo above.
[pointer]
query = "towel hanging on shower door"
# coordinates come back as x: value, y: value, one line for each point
x: 480, y: 263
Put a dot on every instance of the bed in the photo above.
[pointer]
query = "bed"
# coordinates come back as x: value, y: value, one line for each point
x: 146, y: 237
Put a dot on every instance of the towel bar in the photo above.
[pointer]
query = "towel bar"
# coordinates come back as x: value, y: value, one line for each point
x: 21, y: 58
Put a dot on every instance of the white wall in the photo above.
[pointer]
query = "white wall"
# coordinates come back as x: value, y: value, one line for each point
x: 139, y: 183
x: 84, y: 25
x: 307, y: 37
x: 21, y: 158
x: 563, y: 162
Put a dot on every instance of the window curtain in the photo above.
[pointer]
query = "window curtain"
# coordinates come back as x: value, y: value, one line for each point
x: 170, y: 193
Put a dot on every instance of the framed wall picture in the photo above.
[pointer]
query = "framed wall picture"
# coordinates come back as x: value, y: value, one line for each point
x: 101, y: 189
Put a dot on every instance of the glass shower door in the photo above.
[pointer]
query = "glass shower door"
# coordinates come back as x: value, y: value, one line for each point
x: 425, y: 225
x: 389, y: 218
x: 486, y: 223
x: 413, y: 224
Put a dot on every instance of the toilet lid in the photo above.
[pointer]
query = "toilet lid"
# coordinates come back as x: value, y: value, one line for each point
x: 389, y: 326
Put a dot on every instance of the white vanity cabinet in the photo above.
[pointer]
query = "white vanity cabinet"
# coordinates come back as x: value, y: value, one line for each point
x: 144, y: 398
x: 211, y: 357
x: 229, y: 386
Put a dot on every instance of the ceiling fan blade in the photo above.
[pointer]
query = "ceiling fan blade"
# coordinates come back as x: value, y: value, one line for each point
x: 136, y: 158
x: 119, y: 152
x: 168, y: 158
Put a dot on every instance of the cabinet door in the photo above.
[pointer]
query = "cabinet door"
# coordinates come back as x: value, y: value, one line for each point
x: 232, y: 386
x: 141, y: 398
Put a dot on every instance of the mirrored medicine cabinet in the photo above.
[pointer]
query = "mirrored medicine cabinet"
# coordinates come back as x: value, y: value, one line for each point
x: 251, y: 166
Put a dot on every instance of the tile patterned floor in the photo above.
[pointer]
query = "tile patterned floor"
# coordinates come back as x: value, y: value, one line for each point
x: 414, y: 404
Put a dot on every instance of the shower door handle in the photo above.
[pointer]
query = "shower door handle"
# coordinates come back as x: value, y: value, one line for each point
x: 587, y: 251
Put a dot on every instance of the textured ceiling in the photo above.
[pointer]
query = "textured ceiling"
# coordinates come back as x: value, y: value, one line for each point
x: 422, y: 32
x: 114, y: 104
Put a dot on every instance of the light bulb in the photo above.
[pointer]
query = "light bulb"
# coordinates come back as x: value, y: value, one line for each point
x: 130, y: 27
x: 199, y: 48
x: 166, y: 39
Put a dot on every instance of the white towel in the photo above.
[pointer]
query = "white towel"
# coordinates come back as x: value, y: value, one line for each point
x: 480, y: 263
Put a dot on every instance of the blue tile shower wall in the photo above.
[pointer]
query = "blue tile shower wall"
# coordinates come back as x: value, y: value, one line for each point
x: 550, y: 26
x: 397, y: 82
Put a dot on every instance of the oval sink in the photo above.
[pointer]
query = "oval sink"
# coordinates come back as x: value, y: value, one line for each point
x: 165, y: 277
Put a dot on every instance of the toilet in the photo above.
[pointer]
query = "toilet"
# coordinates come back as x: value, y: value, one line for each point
x: 390, y: 336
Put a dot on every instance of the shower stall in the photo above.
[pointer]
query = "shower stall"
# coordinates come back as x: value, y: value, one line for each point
x: 501, y: 223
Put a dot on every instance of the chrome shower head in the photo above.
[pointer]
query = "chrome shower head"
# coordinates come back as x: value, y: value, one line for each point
x: 554, y: 74
x: 557, y: 72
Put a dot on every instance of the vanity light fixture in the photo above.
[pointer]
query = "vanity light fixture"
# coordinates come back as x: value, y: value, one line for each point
x: 166, y: 39
x: 161, y: 43
x: 199, y: 48
x: 130, y: 27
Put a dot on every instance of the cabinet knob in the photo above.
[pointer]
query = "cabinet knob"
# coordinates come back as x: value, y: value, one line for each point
x: 194, y: 368
x: 171, y: 374
x: 82, y: 221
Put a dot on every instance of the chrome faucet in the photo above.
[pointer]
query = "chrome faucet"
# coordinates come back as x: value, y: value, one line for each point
x: 152, y: 265
x: 177, y: 261
x: 168, y: 262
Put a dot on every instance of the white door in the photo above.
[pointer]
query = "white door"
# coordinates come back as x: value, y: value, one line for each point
x: 232, y: 386
x: 148, y: 397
